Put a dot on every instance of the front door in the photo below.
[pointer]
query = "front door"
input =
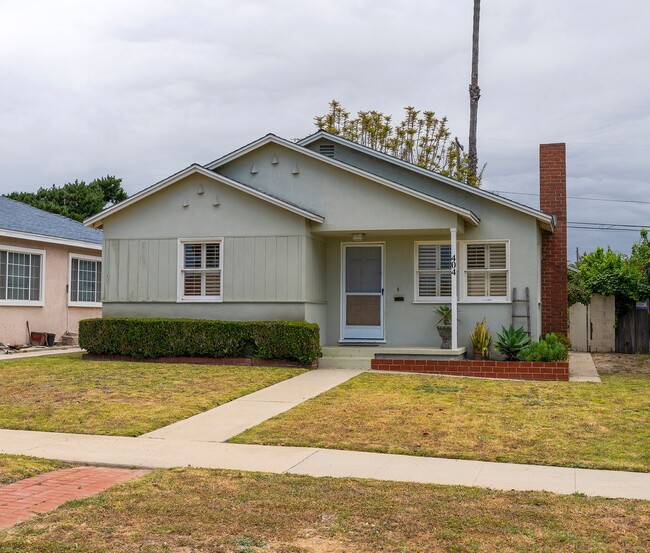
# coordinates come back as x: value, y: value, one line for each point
x: 363, y: 292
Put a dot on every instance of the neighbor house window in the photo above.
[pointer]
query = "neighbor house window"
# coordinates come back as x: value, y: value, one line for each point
x: 21, y: 276
x: 432, y: 271
x: 200, y: 273
x: 85, y: 280
x: 486, y: 271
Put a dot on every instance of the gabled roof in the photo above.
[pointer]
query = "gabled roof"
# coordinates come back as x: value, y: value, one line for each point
x: 547, y: 220
x: 270, y: 138
x: 96, y: 220
x: 19, y: 220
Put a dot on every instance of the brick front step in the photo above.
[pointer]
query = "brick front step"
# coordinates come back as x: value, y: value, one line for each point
x: 517, y: 370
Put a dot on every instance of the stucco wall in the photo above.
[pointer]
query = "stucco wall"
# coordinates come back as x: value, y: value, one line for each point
x: 347, y: 201
x: 55, y: 315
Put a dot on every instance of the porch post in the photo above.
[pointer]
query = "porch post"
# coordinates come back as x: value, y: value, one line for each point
x: 454, y: 291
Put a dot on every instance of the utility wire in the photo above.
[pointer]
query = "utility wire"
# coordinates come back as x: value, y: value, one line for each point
x: 588, y: 198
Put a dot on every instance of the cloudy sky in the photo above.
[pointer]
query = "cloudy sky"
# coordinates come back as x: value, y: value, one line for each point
x: 142, y: 88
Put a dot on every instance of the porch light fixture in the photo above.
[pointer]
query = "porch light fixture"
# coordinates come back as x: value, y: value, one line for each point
x: 359, y: 236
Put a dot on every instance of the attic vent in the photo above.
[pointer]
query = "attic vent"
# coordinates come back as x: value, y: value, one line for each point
x: 326, y: 150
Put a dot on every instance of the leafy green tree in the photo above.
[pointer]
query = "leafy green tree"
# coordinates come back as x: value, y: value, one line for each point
x: 611, y: 273
x: 77, y: 199
x: 420, y: 138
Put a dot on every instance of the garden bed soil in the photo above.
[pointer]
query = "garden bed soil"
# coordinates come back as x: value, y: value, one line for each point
x: 242, y: 361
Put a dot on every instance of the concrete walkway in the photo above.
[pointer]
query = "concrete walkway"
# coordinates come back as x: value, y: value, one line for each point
x: 38, y: 353
x: 232, y: 418
x: 169, y: 453
x: 582, y: 368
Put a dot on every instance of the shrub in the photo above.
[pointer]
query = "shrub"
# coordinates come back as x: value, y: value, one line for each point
x: 510, y: 341
x: 481, y: 339
x: 549, y: 348
x: 147, y: 338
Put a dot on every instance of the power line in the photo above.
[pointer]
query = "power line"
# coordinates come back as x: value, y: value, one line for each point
x: 588, y: 198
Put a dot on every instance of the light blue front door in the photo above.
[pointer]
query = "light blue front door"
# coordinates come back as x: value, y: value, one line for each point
x: 363, y: 292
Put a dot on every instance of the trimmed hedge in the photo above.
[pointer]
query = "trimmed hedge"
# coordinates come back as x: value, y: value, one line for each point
x: 148, y: 338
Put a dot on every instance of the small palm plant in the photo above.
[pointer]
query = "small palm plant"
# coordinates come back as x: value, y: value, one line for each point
x: 445, y: 314
x: 510, y: 341
x: 481, y: 339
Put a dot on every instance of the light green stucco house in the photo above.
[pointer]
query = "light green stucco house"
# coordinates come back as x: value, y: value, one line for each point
x: 327, y: 231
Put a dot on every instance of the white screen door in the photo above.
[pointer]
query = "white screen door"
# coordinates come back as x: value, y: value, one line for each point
x: 363, y: 292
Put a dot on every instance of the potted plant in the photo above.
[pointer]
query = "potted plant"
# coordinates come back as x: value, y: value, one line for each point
x: 511, y: 341
x: 481, y: 340
x: 444, y: 325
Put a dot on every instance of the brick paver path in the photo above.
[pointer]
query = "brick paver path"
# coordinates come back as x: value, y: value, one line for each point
x: 31, y: 496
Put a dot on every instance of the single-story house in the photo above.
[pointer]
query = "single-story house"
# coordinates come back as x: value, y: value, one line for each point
x: 332, y: 232
x: 50, y: 272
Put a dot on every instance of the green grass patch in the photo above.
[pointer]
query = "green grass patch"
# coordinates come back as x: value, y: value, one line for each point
x: 206, y: 510
x: 551, y: 423
x: 65, y: 393
x: 17, y: 467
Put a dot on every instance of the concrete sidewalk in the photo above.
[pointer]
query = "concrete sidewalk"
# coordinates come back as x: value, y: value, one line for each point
x: 169, y: 453
x: 582, y: 368
x: 38, y: 353
x: 232, y: 418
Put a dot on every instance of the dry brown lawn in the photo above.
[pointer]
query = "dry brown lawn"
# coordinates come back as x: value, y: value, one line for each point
x: 202, y: 510
x: 17, y: 467
x: 64, y: 393
x: 551, y: 423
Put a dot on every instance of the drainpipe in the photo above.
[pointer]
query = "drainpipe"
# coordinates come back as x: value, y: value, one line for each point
x: 454, y: 291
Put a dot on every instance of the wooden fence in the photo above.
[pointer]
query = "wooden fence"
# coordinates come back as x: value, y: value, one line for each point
x: 633, y: 331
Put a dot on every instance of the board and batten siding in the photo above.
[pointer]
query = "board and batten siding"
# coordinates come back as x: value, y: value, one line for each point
x: 254, y: 269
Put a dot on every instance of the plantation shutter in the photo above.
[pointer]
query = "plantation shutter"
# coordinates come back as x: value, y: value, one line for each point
x: 487, y: 270
x: 433, y: 270
x: 202, y: 270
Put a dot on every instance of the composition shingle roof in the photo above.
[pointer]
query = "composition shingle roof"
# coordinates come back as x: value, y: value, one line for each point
x: 20, y: 217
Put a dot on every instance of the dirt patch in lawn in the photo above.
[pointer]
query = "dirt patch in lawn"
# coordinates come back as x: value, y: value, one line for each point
x: 622, y: 363
x: 202, y: 510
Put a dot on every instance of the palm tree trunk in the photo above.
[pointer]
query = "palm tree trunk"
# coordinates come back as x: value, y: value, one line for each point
x: 474, y: 93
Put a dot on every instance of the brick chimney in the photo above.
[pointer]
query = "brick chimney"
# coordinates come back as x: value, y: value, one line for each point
x: 552, y: 200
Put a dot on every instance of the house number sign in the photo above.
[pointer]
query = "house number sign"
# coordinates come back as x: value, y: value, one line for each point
x: 452, y: 264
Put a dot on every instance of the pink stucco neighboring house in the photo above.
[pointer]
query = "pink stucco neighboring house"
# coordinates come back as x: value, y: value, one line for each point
x: 50, y: 272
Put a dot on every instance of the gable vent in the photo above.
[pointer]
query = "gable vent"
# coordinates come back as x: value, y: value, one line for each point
x: 326, y: 150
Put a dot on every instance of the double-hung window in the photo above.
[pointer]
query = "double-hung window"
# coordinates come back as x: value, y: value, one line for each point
x: 21, y: 276
x: 432, y: 271
x: 85, y: 287
x: 486, y: 271
x: 200, y: 270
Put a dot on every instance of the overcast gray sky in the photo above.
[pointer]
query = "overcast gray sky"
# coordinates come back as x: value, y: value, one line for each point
x: 141, y: 89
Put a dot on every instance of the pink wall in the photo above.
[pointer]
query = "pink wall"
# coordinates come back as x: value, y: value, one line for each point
x: 54, y: 316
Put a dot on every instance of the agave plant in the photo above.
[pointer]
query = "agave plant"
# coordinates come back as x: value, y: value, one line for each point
x: 510, y: 341
x: 445, y: 314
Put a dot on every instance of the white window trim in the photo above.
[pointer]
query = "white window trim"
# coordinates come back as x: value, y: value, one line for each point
x: 416, y: 290
x: 28, y: 303
x: 463, y: 297
x: 180, y: 296
x: 71, y: 303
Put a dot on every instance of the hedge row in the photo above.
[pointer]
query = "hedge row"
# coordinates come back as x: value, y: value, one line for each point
x: 147, y: 338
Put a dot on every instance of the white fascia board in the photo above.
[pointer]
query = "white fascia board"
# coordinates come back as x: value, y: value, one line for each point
x: 271, y: 138
x: 49, y: 239
x: 546, y: 220
x: 96, y: 220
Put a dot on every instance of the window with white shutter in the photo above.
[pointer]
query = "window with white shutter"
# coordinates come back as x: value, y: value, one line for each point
x: 486, y: 271
x: 432, y: 271
x: 200, y: 270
